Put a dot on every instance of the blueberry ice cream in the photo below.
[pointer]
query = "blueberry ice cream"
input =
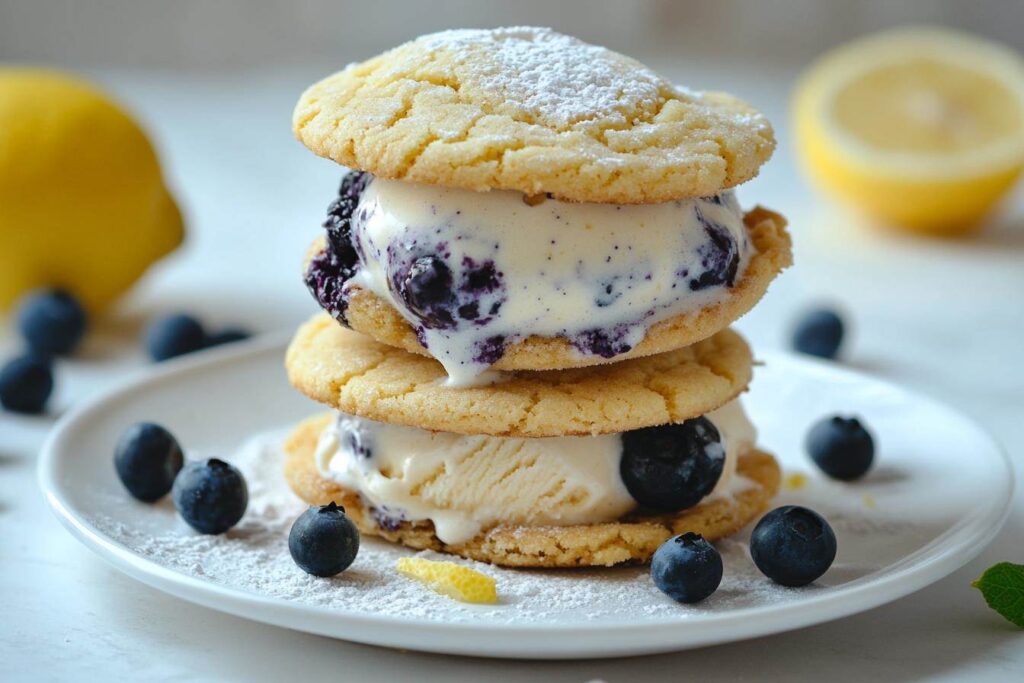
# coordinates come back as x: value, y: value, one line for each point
x: 473, y: 272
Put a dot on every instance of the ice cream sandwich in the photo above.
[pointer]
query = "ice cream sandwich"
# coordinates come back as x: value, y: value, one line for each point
x: 527, y: 279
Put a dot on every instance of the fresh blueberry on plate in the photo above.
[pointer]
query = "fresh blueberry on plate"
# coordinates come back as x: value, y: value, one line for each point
x: 174, y: 335
x: 819, y: 333
x: 147, y: 459
x: 52, y: 322
x: 687, y: 568
x: 672, y: 467
x: 323, y: 540
x: 210, y: 495
x: 792, y: 545
x: 227, y: 336
x: 841, y: 447
x: 26, y: 383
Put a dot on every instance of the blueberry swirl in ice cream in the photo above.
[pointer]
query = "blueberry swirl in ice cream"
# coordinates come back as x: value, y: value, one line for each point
x: 331, y: 269
x: 475, y: 272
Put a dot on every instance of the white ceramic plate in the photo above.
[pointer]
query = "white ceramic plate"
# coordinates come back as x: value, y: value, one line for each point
x: 939, y: 493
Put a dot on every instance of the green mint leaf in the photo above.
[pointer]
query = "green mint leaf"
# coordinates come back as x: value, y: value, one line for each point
x: 1002, y: 586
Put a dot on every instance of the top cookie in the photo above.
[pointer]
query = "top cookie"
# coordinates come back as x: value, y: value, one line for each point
x: 531, y: 110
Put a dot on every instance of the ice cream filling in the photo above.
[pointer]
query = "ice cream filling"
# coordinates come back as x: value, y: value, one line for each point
x: 474, y: 272
x: 466, y: 484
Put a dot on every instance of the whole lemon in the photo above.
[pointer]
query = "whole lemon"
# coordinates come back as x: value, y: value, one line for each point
x: 83, y: 204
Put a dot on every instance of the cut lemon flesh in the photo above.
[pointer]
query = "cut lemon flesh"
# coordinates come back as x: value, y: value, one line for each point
x: 447, y: 578
x: 922, y: 128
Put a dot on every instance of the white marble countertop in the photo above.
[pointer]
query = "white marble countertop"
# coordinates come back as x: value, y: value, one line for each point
x: 946, y: 318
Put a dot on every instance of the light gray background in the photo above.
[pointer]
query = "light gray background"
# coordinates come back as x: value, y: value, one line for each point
x: 214, y: 83
x: 217, y: 34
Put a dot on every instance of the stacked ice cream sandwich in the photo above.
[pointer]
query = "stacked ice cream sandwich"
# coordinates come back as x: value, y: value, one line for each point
x: 527, y: 280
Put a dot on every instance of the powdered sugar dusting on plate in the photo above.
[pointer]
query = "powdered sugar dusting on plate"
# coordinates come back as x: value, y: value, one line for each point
x: 254, y: 558
x: 557, y: 79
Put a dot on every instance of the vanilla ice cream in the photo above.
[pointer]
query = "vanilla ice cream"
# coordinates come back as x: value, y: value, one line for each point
x: 473, y: 272
x: 466, y: 484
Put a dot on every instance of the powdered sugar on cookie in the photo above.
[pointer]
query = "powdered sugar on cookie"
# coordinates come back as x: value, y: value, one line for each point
x: 553, y: 79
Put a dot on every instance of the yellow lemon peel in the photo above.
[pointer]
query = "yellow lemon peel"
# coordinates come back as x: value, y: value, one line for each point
x: 794, y: 481
x: 447, y: 578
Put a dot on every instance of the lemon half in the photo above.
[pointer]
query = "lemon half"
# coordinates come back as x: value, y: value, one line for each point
x: 920, y: 127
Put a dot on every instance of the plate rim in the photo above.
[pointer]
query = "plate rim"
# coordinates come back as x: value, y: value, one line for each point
x: 657, y: 635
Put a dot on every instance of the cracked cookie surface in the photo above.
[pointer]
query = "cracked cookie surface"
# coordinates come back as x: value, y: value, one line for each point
x: 357, y: 375
x: 370, y: 314
x: 531, y: 110
x: 630, y: 540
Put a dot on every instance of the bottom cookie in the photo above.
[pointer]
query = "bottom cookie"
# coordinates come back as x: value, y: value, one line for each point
x: 631, y: 540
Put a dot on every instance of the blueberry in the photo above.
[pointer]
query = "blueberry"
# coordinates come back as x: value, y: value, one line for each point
x: 438, y: 295
x: 792, y: 545
x: 52, y: 322
x: 325, y: 278
x: 719, y: 256
x: 356, y: 437
x: 339, y: 221
x: 174, y: 335
x: 841, y: 447
x: 479, y: 278
x: 147, y: 458
x: 672, y: 467
x: 387, y: 519
x: 210, y: 495
x: 481, y: 291
x: 470, y: 311
x: 687, y: 568
x: 819, y: 333
x: 339, y: 216
x: 26, y: 383
x: 603, y: 343
x: 323, y: 541
x: 426, y: 288
x: 329, y: 270
x: 227, y: 336
x: 490, y: 350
